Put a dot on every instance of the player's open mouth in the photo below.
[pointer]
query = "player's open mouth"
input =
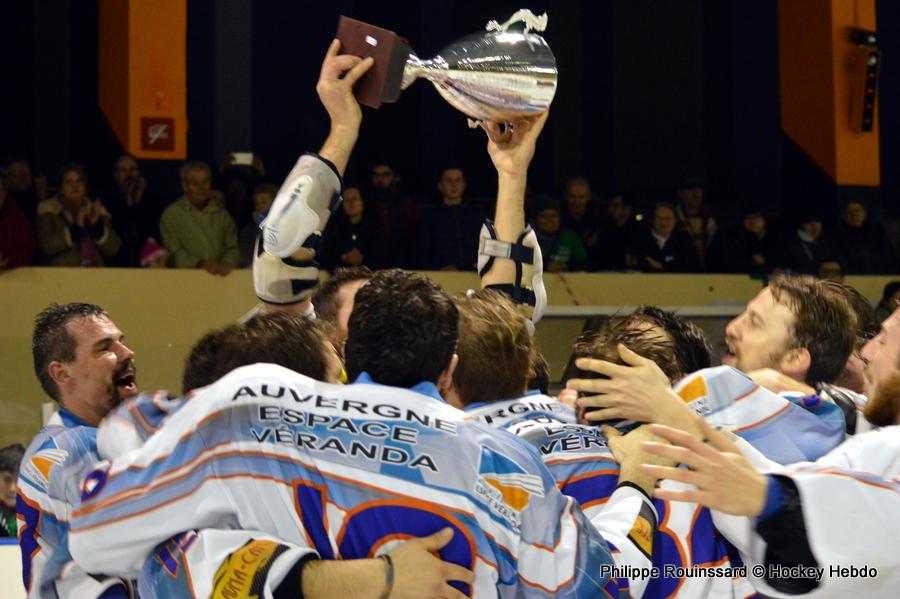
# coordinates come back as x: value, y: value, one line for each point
x: 729, y: 356
x: 125, y: 384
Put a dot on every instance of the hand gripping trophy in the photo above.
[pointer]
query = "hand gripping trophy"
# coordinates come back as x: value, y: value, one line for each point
x: 499, y: 75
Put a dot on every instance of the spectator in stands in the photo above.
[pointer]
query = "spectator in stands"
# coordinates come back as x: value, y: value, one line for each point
x: 748, y: 248
x: 832, y: 269
x: 863, y: 242
x: 664, y: 247
x: 73, y: 229
x: 16, y: 238
x: 805, y: 250
x: 580, y: 214
x: 694, y: 216
x: 135, y: 212
x: 448, y: 234
x: 26, y: 189
x: 263, y: 196
x: 351, y: 238
x: 619, y: 231
x: 238, y: 180
x: 10, y: 458
x: 397, y: 214
x: 196, y: 229
x: 561, y: 247
x: 890, y: 301
x: 154, y: 255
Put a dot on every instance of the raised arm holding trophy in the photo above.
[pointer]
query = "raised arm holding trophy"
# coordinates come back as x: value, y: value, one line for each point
x: 496, y: 76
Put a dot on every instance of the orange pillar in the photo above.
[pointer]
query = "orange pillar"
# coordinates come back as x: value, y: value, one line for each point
x: 143, y: 75
x: 820, y: 83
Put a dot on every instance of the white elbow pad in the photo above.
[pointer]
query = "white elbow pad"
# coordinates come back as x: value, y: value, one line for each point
x: 526, y: 254
x: 305, y: 202
x: 282, y: 281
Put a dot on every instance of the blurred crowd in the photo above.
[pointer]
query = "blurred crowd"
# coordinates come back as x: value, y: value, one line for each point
x: 70, y: 221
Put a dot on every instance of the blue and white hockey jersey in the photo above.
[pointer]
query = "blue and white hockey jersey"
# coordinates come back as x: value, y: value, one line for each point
x: 50, y: 476
x: 624, y: 516
x: 348, y: 471
x: 851, y: 511
x: 784, y: 429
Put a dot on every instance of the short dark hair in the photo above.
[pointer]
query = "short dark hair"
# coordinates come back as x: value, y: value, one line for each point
x: 495, y: 349
x: 663, y: 205
x: 284, y: 338
x: 402, y: 331
x: 4, y: 179
x: 11, y: 458
x: 71, y: 167
x: 692, y: 350
x: 867, y: 325
x: 823, y: 323
x: 603, y: 343
x: 193, y: 165
x: 52, y: 341
x: 325, y: 299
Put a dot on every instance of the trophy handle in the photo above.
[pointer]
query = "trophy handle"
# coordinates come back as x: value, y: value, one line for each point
x: 532, y: 22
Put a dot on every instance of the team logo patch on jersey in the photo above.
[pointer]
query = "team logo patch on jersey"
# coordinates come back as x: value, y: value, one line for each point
x: 42, y: 463
x: 513, y: 483
x: 693, y: 390
x: 95, y: 482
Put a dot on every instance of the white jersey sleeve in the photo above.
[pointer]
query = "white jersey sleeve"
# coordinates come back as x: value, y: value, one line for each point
x: 49, y: 485
x: 127, y: 539
x: 850, y: 502
x: 221, y: 563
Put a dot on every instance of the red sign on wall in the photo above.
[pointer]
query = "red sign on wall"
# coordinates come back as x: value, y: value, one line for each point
x: 157, y: 134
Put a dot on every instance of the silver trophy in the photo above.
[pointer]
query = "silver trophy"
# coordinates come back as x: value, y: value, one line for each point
x: 500, y: 75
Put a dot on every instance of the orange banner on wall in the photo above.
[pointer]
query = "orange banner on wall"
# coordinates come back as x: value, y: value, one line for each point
x: 143, y: 75
x: 819, y: 70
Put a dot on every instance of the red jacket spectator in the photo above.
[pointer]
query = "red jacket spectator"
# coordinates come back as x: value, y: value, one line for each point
x: 16, y: 238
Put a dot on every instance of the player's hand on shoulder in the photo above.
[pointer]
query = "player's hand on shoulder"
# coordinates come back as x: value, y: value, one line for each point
x: 418, y: 573
x: 776, y: 382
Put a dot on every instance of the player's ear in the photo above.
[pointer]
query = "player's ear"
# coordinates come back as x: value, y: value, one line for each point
x: 796, y: 362
x: 59, y: 372
x: 445, y: 381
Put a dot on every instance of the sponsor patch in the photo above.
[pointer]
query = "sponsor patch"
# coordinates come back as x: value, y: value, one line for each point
x: 693, y: 390
x: 643, y: 530
x: 42, y: 463
x: 243, y: 574
x: 508, y: 480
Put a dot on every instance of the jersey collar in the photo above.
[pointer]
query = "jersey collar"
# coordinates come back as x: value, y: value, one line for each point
x: 425, y: 387
x: 70, y: 420
x: 481, y: 404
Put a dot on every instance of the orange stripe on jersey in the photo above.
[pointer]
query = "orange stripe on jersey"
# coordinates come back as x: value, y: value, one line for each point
x: 565, y: 461
x: 747, y: 394
x: 180, y: 497
x: 183, y: 437
x: 830, y: 472
x: 139, y: 418
x: 766, y: 419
